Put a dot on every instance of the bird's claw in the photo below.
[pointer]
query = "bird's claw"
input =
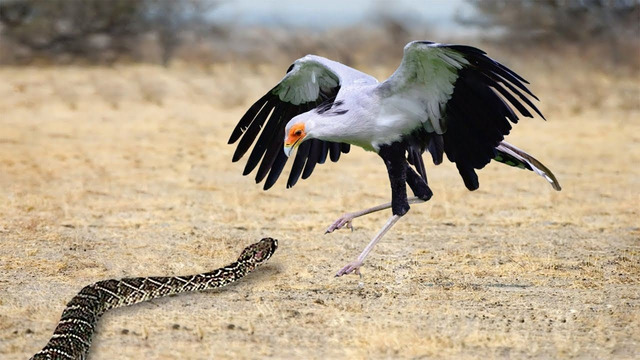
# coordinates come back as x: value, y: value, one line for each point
x: 345, y: 220
x: 352, y: 267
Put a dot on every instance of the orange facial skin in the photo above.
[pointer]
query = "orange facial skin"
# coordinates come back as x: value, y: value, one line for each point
x: 296, y: 133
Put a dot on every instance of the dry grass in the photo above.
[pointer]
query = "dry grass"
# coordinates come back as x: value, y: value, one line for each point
x: 125, y: 172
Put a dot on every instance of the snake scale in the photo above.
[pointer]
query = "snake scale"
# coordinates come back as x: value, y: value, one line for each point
x: 72, y: 337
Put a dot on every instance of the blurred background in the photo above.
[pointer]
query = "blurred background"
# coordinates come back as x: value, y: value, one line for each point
x: 581, y: 39
x: 213, y: 31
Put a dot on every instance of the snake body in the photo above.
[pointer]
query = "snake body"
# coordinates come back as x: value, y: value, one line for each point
x: 72, y: 337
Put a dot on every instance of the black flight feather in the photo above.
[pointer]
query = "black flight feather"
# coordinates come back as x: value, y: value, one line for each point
x: 265, y: 121
x: 270, y: 156
x: 276, y: 169
x: 298, y: 164
x: 252, y: 131
x: 323, y: 153
x: 523, y: 98
x: 334, y: 151
x: 248, y: 117
x: 268, y: 132
x: 314, y: 155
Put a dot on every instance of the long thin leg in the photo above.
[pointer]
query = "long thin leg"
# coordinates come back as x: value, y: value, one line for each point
x: 394, y: 159
x: 354, y: 266
x: 346, y: 218
x: 417, y: 184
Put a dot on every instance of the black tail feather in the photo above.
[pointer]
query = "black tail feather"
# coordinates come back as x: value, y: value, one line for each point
x: 511, y: 155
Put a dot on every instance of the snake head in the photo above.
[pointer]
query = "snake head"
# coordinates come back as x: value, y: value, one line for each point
x: 259, y: 252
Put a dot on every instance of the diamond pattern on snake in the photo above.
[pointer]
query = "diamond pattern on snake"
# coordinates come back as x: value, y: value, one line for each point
x: 72, y: 337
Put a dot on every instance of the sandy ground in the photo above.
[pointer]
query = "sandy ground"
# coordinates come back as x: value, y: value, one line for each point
x: 107, y: 173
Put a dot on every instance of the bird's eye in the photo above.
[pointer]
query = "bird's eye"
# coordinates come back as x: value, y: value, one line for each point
x: 298, y: 132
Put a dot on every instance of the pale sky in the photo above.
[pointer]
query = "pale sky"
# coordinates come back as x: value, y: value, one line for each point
x: 327, y: 13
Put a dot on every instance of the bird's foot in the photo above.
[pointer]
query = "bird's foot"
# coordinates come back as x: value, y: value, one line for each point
x: 352, y: 267
x: 343, y: 221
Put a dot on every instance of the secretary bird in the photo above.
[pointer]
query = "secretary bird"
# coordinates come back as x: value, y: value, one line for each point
x: 444, y: 99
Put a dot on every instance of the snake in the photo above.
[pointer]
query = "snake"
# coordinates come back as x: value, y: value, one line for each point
x: 72, y: 336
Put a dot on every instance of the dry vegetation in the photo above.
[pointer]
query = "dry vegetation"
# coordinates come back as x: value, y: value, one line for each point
x: 125, y: 171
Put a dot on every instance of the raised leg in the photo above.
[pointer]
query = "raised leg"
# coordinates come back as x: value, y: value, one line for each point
x: 354, y: 266
x: 345, y: 219
x: 394, y: 158
x: 417, y: 184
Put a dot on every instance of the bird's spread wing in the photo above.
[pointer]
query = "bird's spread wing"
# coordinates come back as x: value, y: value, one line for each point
x: 311, y: 81
x: 466, y: 96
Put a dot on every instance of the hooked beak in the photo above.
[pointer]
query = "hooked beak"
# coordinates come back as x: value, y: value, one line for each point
x: 288, y: 147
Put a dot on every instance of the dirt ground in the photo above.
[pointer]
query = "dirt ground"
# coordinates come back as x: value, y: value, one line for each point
x: 125, y: 171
